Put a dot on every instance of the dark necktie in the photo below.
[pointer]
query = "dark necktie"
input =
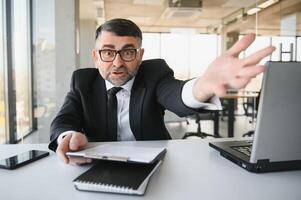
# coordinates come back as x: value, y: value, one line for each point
x: 112, y: 113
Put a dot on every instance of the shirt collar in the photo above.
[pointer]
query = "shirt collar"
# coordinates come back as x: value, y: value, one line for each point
x: 128, y: 86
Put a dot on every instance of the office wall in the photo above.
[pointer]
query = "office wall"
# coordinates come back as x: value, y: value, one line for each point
x: 65, y: 40
x: 87, y: 35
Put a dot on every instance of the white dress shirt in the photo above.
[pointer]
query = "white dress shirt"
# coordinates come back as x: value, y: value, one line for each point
x: 124, y: 132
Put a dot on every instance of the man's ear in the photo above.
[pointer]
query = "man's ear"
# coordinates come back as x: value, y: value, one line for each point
x: 141, y: 53
x: 140, y: 56
x: 94, y: 54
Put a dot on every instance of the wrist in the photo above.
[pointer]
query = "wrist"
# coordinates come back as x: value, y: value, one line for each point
x: 202, y: 90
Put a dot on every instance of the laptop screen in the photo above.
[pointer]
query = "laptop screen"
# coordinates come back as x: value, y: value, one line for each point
x: 278, y: 130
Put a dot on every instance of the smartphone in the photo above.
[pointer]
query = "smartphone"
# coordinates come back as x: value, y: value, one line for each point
x: 22, y: 159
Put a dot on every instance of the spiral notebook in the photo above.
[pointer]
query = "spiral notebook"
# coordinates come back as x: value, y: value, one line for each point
x: 116, y: 177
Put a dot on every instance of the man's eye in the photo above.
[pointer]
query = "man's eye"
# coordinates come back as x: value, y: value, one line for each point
x: 108, y: 53
x: 128, y: 52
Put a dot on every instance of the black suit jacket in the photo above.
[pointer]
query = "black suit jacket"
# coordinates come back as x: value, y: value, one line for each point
x: 154, y: 90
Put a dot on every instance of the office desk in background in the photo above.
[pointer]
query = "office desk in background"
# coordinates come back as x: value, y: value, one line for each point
x: 230, y: 98
x: 191, y: 170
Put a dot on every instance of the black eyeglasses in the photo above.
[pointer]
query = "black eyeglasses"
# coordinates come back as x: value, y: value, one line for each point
x: 109, y: 55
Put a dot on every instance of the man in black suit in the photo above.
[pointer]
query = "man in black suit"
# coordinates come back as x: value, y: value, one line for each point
x: 137, y: 92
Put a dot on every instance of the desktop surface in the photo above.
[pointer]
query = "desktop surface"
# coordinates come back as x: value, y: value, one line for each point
x: 190, y: 170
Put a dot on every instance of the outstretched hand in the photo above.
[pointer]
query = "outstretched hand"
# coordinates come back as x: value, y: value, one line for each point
x: 74, y: 141
x: 230, y: 72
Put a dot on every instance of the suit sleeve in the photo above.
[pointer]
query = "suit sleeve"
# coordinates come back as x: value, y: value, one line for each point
x: 169, y: 92
x: 69, y: 116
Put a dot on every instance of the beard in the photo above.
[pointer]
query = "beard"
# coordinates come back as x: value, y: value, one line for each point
x: 126, y: 75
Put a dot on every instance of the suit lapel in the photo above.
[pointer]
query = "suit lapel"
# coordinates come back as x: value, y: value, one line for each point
x: 136, y: 103
x: 98, y: 107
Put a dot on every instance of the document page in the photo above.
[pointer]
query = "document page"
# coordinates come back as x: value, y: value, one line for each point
x: 121, y: 153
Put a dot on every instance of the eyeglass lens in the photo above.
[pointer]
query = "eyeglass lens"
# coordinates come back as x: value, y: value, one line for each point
x: 109, y: 55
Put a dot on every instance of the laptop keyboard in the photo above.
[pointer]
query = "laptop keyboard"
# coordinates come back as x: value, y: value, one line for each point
x: 246, y: 149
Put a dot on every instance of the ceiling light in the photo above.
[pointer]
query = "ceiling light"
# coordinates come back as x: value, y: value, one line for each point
x: 267, y: 3
x: 148, y: 2
x: 253, y: 11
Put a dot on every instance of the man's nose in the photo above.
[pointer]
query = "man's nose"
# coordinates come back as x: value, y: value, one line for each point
x: 118, y: 62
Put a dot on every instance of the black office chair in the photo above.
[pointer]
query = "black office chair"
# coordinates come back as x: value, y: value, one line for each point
x: 255, y: 109
x: 204, y: 115
x: 225, y: 106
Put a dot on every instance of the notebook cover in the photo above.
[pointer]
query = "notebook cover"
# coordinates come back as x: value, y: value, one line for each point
x: 112, y: 174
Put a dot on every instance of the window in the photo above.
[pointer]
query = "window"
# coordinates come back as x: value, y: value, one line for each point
x: 151, y: 44
x: 204, y: 49
x: 285, y: 42
x: 260, y: 43
x: 175, y: 49
x: 15, y: 79
x: 187, y: 54
x: 3, y: 137
x: 21, y: 59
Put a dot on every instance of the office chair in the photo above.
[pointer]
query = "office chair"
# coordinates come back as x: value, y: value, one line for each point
x: 250, y: 133
x: 250, y: 107
x: 204, y: 115
x: 225, y: 106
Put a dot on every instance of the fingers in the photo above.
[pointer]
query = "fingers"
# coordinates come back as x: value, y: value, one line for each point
x: 78, y: 160
x: 77, y: 141
x: 230, y: 72
x: 244, y: 76
x: 63, y: 147
x: 71, y: 142
x: 241, y: 45
x: 239, y: 83
x: 251, y: 71
x: 258, y: 56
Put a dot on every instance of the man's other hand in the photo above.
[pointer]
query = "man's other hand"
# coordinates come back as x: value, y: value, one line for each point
x: 229, y: 72
x: 74, y: 141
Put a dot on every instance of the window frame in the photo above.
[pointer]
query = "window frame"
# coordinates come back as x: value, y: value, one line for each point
x: 11, y: 113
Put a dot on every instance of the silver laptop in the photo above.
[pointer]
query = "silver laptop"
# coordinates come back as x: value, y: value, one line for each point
x: 276, y: 145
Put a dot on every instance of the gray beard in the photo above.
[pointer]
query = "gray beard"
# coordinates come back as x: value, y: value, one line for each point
x: 119, y: 82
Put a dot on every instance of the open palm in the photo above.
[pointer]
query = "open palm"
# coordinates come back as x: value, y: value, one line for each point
x: 229, y: 72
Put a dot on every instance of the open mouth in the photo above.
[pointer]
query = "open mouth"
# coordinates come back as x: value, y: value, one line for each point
x: 118, y: 73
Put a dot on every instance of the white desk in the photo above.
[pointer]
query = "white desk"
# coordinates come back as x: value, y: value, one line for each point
x: 191, y: 170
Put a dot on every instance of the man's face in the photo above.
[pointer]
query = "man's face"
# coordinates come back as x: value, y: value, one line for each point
x: 118, y: 71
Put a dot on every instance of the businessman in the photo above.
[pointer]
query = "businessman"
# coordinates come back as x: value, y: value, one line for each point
x: 124, y: 98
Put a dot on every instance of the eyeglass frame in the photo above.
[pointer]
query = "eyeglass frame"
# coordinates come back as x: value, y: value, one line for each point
x: 118, y: 52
